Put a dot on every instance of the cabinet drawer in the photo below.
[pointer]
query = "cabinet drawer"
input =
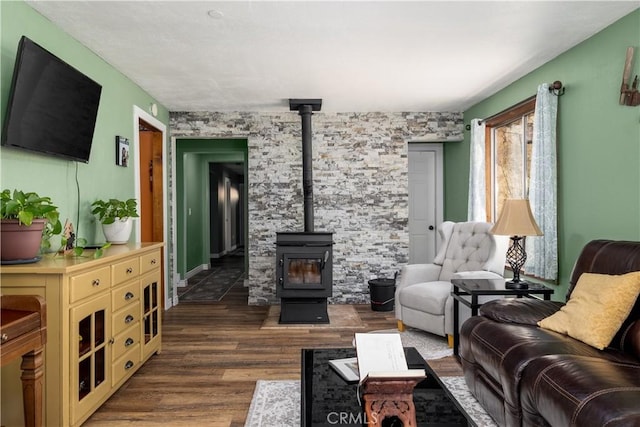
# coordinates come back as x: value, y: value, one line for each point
x: 126, y: 317
x: 149, y: 261
x: 125, y: 294
x: 90, y: 283
x: 126, y: 341
x: 125, y: 270
x: 126, y: 365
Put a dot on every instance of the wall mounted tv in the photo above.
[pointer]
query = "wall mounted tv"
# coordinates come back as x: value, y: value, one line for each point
x: 52, y: 106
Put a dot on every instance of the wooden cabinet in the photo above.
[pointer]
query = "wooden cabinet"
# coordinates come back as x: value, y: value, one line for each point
x: 104, y: 322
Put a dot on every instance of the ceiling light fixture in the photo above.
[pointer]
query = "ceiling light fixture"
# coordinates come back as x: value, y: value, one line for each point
x: 215, y: 14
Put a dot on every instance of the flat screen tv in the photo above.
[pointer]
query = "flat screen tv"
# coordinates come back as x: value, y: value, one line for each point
x: 52, y: 106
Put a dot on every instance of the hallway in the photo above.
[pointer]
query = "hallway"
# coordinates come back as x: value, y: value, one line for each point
x: 210, y: 286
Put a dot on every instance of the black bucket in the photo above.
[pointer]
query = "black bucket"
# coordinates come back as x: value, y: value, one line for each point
x: 382, y: 292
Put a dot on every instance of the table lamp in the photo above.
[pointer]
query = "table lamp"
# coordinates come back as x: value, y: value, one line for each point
x: 517, y: 221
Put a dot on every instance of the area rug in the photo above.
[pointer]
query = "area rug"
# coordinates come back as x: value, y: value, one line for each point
x: 277, y: 403
x: 429, y: 346
x: 340, y: 316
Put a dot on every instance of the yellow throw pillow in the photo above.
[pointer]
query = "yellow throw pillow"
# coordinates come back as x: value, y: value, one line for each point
x: 598, y: 305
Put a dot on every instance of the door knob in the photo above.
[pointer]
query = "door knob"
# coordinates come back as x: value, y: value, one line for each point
x: 431, y: 227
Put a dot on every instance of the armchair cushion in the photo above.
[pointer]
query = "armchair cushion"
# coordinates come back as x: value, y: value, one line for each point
x: 430, y: 297
x: 481, y: 274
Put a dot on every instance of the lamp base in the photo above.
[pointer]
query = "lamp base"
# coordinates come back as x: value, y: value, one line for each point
x: 516, y: 285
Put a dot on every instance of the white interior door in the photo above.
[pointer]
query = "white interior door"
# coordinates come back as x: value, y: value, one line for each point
x: 425, y: 201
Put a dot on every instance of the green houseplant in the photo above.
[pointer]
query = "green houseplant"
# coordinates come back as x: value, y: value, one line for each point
x: 116, y: 218
x: 26, y: 218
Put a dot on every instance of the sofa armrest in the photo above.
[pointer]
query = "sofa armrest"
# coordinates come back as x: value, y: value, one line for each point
x: 418, y: 273
x: 525, y: 311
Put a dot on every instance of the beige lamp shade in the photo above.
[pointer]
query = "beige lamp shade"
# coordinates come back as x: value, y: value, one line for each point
x: 516, y: 219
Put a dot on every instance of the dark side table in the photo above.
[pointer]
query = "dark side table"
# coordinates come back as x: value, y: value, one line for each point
x: 466, y: 291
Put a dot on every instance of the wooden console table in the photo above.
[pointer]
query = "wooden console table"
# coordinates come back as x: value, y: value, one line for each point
x: 23, y: 332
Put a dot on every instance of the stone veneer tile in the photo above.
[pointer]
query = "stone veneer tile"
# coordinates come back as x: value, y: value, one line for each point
x: 360, y: 186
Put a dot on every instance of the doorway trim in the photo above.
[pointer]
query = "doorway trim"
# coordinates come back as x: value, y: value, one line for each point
x: 141, y: 114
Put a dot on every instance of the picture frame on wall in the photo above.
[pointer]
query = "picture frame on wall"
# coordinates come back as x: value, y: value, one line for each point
x: 122, y: 151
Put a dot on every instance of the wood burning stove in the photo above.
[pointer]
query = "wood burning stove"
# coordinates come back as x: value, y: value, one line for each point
x: 304, y: 276
x: 304, y: 260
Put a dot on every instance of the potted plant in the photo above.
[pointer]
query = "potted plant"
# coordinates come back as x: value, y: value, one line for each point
x: 25, y: 219
x: 116, y: 218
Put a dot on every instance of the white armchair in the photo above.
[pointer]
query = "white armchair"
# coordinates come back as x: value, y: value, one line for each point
x: 423, y: 294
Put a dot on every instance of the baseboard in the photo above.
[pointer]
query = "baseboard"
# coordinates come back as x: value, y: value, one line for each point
x: 193, y: 272
x: 223, y: 253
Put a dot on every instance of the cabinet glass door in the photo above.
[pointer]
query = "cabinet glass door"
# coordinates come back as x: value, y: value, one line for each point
x: 89, y: 367
x: 151, y: 312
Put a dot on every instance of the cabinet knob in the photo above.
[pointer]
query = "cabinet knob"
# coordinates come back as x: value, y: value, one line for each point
x: 129, y: 270
x: 112, y: 340
x: 128, y: 365
x: 128, y: 319
x: 4, y: 337
x: 128, y: 342
x: 128, y: 296
x: 96, y: 282
x: 153, y: 261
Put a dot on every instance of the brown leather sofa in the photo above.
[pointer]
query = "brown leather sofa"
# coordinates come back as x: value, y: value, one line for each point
x: 524, y: 375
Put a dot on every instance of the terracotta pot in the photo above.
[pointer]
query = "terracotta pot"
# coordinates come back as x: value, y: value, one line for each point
x: 118, y: 233
x: 19, y: 242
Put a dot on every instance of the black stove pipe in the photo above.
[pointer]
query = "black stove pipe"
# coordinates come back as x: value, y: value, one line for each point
x: 307, y: 167
x: 305, y: 108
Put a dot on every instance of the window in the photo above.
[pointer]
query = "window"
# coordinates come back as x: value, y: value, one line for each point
x: 515, y: 167
x: 508, y: 143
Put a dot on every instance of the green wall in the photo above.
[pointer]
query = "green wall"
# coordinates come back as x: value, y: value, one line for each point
x: 598, y: 144
x: 100, y: 178
x: 192, y: 195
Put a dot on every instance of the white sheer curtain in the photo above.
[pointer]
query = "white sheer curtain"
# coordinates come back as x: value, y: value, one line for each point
x: 477, y: 187
x: 542, y: 252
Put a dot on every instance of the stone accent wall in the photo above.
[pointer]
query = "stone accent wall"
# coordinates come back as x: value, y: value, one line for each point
x: 360, y: 187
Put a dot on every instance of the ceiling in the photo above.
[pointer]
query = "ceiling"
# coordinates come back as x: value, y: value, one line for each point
x: 358, y: 56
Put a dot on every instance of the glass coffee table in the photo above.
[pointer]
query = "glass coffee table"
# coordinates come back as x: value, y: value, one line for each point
x: 328, y: 400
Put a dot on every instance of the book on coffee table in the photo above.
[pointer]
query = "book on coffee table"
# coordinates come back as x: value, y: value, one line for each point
x: 346, y: 368
x: 382, y: 356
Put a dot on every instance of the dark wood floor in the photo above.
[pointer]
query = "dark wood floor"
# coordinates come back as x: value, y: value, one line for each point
x: 213, y: 354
